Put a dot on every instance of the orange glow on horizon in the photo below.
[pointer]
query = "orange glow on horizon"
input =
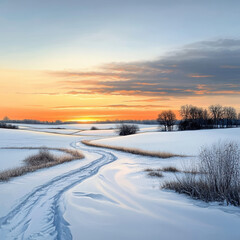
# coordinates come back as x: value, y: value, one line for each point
x: 84, y: 120
x: 41, y: 96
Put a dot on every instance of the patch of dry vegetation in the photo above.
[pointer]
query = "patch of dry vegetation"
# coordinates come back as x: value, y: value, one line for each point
x: 134, y: 150
x: 170, y: 169
x: 43, y: 159
x: 219, y: 178
x: 155, y: 174
x: 158, y: 172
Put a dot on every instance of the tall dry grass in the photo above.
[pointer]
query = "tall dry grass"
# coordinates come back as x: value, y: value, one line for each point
x: 43, y: 159
x: 134, y: 150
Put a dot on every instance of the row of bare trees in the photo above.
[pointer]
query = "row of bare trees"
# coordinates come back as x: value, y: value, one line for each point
x: 194, y: 117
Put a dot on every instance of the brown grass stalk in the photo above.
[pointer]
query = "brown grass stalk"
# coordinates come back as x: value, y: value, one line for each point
x: 134, y: 150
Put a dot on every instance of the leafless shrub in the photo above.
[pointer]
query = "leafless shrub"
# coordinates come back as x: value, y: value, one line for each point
x: 94, y: 128
x: 127, y: 129
x: 167, y: 119
x: 220, y: 175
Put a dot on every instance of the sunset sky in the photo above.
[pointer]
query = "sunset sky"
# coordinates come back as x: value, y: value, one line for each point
x: 110, y: 59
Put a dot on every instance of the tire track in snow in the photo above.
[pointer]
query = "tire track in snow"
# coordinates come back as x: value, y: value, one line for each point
x: 39, y: 214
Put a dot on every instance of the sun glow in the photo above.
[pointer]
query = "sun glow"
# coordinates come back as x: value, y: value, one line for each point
x: 84, y: 120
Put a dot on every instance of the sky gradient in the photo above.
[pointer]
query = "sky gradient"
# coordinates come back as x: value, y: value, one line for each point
x: 98, y: 60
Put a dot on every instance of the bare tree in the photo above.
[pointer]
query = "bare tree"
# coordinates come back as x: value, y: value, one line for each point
x: 238, y: 119
x: 216, y: 112
x: 185, y: 111
x: 190, y: 112
x: 193, y: 118
x: 6, y: 119
x: 167, y: 118
x: 230, y: 115
x: 205, y: 115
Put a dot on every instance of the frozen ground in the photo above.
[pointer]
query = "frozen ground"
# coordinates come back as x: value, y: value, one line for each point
x: 107, y: 195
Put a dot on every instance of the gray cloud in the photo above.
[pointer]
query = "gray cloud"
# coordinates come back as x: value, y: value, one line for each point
x: 202, y: 68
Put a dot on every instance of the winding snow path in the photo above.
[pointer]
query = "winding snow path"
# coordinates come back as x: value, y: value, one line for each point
x: 39, y: 214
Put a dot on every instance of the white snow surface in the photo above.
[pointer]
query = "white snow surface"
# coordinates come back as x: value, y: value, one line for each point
x: 107, y: 195
x: 19, y: 138
x: 178, y: 142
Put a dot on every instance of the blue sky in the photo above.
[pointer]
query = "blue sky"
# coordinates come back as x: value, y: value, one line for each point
x: 69, y: 59
x: 58, y: 35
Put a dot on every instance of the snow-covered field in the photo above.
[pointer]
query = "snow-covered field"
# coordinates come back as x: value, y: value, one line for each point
x: 19, y: 138
x: 185, y: 142
x: 105, y: 130
x: 107, y: 195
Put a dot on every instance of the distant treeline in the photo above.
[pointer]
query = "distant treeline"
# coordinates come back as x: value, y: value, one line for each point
x: 58, y: 122
x: 153, y: 121
x: 193, y: 118
x: 32, y: 121
x: 9, y: 126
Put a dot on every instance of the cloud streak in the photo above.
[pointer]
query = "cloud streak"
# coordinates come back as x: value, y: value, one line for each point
x: 113, y: 106
x: 204, y: 68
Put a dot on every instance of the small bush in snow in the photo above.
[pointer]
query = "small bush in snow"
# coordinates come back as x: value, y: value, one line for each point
x: 220, y: 175
x: 94, y: 128
x: 127, y: 129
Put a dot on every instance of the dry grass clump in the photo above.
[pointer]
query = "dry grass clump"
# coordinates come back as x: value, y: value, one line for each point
x: 155, y: 174
x: 219, y: 179
x: 42, y: 159
x: 148, y: 170
x: 134, y: 150
x: 158, y: 172
x: 170, y: 169
x: 15, y: 172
